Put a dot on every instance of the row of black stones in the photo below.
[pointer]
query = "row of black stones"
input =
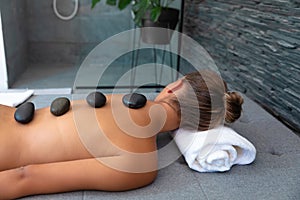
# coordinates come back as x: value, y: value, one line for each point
x: 133, y: 100
x: 25, y: 113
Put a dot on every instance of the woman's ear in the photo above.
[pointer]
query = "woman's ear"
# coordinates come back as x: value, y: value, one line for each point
x: 175, y: 86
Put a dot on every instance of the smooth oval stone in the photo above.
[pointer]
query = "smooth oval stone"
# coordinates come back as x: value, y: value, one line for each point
x: 96, y: 99
x: 24, y: 113
x: 134, y: 100
x: 60, y: 106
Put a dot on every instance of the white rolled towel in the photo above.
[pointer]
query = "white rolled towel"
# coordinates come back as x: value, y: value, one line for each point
x: 214, y: 150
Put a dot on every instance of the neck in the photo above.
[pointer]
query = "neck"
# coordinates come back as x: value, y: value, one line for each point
x: 173, y: 120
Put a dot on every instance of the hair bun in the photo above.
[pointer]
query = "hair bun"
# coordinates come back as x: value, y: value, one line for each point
x: 234, y: 103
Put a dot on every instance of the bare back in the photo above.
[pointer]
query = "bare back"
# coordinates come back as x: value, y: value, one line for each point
x: 82, y: 133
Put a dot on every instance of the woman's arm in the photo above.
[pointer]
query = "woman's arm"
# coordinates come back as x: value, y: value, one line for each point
x: 88, y: 174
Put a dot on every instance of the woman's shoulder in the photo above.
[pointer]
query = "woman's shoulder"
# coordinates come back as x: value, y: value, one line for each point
x: 151, y: 117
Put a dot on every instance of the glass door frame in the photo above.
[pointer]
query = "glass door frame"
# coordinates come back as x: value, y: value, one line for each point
x: 3, y: 66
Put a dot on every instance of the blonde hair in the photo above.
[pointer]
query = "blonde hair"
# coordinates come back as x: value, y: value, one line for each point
x: 205, y: 103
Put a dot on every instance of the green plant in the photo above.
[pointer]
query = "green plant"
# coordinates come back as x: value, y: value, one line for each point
x: 139, y: 7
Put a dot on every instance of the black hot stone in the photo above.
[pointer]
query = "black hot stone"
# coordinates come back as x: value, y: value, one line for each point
x: 134, y: 100
x: 96, y: 99
x: 60, y: 106
x: 24, y: 113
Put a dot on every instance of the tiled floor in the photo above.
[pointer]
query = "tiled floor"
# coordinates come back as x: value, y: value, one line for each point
x: 45, y: 75
x: 62, y: 75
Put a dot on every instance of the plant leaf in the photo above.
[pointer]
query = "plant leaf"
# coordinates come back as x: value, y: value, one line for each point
x: 155, y: 13
x: 139, y: 8
x: 138, y: 20
x: 123, y: 4
x: 111, y: 2
x: 94, y: 2
x: 141, y: 4
x: 155, y: 2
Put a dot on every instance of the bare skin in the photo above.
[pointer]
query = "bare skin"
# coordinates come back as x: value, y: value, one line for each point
x: 85, y: 149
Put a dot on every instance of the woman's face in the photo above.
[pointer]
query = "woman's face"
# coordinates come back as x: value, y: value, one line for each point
x: 169, y: 90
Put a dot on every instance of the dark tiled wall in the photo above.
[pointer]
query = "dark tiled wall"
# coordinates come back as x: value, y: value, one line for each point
x: 256, y: 45
x: 13, y: 14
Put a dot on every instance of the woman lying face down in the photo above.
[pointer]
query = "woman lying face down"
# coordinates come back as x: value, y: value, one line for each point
x: 112, y: 148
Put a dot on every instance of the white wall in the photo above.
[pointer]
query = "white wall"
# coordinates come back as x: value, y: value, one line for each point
x: 3, y: 70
